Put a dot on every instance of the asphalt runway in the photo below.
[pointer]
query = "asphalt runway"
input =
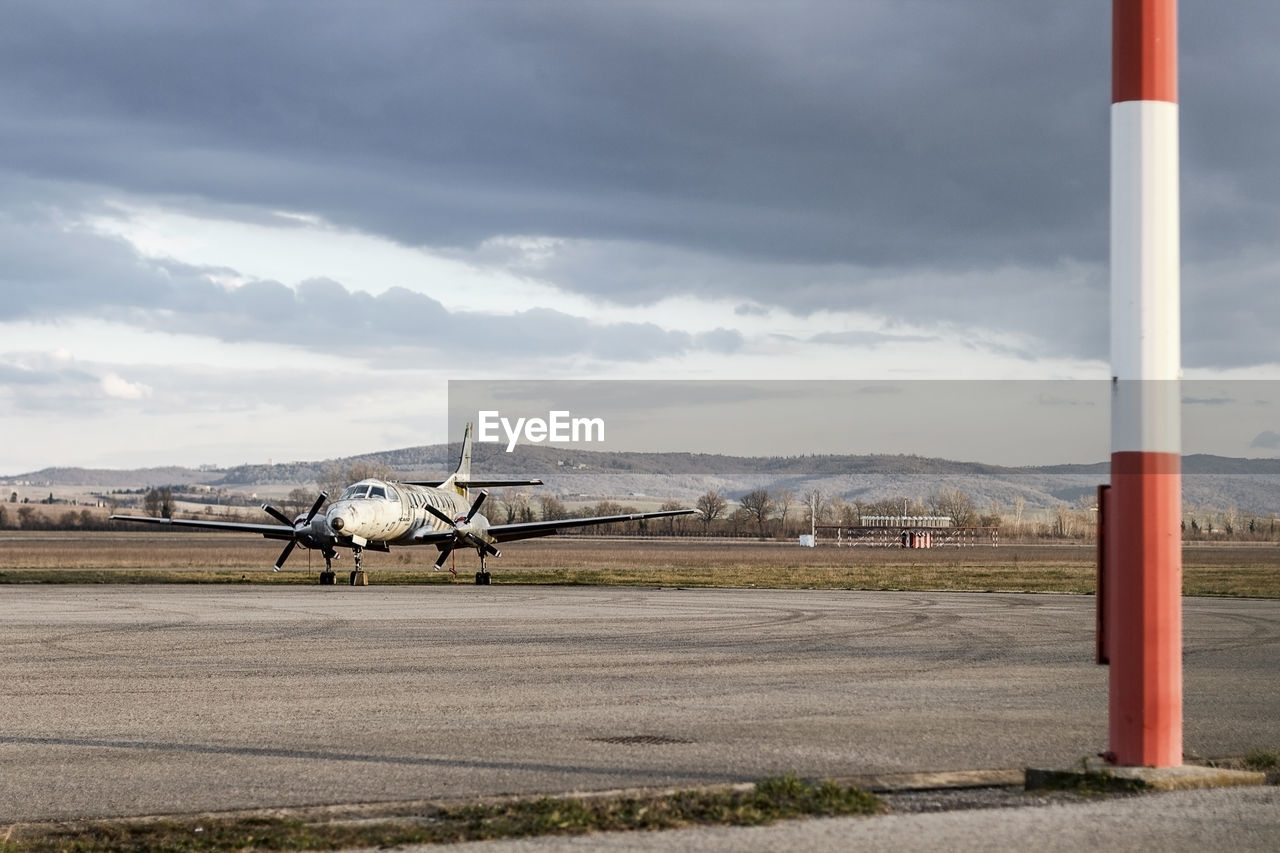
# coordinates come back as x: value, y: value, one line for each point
x: 126, y: 700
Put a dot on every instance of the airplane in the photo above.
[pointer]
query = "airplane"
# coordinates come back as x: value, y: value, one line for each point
x: 376, y: 514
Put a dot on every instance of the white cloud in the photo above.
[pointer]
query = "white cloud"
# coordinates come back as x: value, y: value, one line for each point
x: 115, y: 386
x: 296, y: 247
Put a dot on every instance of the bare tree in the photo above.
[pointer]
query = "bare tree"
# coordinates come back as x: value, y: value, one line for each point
x: 151, y: 503
x: 607, y: 507
x: 710, y: 507
x: 837, y: 511
x: 816, y: 506
x: 497, y: 510
x: 758, y: 504
x: 676, y: 523
x: 300, y: 499
x: 552, y: 508
x: 519, y: 508
x: 1230, y: 519
x: 159, y: 502
x: 1019, y: 504
x: 955, y: 505
x: 783, y: 502
x: 1066, y: 520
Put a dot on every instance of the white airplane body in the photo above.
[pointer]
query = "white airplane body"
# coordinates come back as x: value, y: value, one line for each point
x: 376, y: 514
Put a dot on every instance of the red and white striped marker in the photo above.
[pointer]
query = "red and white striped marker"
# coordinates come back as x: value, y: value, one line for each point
x: 1144, y: 617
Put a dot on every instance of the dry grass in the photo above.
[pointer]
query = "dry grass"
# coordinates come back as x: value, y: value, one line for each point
x: 185, y: 556
x: 769, y: 801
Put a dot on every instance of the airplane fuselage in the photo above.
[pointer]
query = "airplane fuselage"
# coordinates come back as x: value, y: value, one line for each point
x: 378, y: 511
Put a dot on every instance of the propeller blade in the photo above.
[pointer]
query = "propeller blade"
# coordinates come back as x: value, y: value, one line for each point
x: 444, y: 555
x: 315, y: 507
x: 440, y: 515
x: 475, y: 507
x: 490, y: 550
x: 277, y: 514
x: 284, y: 555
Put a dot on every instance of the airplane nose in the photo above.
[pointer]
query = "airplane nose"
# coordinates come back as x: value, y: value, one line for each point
x: 340, y: 518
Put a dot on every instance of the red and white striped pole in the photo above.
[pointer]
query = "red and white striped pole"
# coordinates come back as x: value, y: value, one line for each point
x: 1144, y: 616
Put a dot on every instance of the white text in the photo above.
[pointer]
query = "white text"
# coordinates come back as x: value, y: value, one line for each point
x: 558, y: 426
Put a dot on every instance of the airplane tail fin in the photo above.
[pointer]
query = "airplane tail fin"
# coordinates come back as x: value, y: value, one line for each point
x: 458, y: 480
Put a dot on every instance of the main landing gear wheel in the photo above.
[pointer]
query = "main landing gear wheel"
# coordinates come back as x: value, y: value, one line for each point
x: 329, y: 577
x: 482, y: 576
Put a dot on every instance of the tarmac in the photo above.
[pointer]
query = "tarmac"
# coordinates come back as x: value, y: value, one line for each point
x: 144, y: 700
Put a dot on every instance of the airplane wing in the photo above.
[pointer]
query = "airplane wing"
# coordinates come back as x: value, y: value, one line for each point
x: 475, y: 484
x: 531, y: 529
x: 270, y: 531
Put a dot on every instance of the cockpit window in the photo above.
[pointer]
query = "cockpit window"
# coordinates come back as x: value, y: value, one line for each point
x: 369, y: 490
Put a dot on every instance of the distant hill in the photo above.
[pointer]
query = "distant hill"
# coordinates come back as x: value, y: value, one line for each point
x: 1209, y: 481
x: 107, y: 478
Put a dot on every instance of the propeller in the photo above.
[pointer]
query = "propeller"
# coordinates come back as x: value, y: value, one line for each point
x: 301, y: 527
x: 463, y: 534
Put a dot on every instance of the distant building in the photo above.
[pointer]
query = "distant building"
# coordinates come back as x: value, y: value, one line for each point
x: 906, y: 521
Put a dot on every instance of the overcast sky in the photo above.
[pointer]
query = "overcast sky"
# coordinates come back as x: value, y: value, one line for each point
x: 274, y: 230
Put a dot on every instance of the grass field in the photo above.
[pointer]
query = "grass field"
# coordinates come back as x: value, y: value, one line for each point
x: 198, y: 557
x: 768, y: 801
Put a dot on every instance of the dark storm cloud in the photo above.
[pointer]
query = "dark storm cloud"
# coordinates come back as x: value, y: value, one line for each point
x: 49, y: 270
x: 869, y: 133
x: 853, y: 154
x: 54, y: 272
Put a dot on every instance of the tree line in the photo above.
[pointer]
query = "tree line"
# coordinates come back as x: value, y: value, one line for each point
x: 764, y: 513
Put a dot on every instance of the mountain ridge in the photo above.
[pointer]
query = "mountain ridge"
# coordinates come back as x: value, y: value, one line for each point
x: 1208, y: 480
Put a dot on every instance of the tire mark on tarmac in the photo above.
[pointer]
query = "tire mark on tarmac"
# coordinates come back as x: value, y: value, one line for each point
x: 1261, y: 631
x: 905, y: 620
x: 839, y: 630
x: 86, y: 643
x: 835, y: 629
x: 353, y: 757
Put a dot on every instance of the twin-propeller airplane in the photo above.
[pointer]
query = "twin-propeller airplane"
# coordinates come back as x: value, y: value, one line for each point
x: 376, y: 514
